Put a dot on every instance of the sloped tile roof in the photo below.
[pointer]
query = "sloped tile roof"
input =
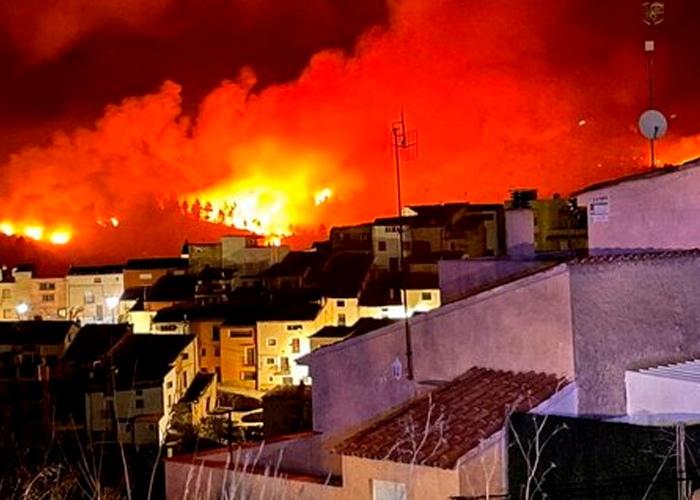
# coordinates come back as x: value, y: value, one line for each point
x: 459, y: 416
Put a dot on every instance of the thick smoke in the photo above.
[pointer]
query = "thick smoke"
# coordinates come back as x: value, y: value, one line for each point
x: 504, y: 95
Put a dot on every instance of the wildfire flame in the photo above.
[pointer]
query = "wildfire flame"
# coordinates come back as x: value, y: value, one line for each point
x: 322, y: 196
x: 258, y: 206
x: 36, y: 232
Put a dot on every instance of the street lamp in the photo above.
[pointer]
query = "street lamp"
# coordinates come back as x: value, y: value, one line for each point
x: 112, y: 303
x: 22, y: 309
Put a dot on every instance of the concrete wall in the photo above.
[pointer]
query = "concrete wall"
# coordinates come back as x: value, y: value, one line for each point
x: 654, y: 213
x: 482, y: 472
x: 459, y: 277
x: 629, y: 315
x: 521, y: 326
x: 184, y: 480
x: 421, y: 482
x: 520, y: 233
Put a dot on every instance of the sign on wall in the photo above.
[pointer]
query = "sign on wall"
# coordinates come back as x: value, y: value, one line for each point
x: 599, y: 208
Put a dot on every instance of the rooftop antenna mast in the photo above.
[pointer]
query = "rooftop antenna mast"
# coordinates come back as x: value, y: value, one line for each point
x: 652, y: 122
x: 405, y: 142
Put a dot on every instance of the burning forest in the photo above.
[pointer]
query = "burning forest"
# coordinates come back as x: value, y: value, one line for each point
x: 498, y: 105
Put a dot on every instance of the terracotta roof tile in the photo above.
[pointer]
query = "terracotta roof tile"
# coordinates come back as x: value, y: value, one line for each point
x: 459, y: 416
x: 637, y: 256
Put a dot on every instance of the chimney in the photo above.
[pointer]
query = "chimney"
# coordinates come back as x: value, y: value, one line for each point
x: 520, y: 225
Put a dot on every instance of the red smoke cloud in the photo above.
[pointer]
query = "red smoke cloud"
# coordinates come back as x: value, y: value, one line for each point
x: 489, y: 86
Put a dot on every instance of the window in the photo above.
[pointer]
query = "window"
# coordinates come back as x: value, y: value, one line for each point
x: 145, y: 276
x: 292, y: 328
x: 272, y: 342
x: 341, y: 319
x: 7, y: 313
x: 184, y: 379
x: 47, y: 297
x: 185, y: 355
x: 99, y: 312
x: 6, y: 293
x: 47, y: 286
x: 167, y: 328
x: 341, y: 303
x: 217, y: 370
x: 204, y: 353
x: 247, y: 375
x: 139, y: 392
x: 139, y: 403
x: 381, y: 246
x: 284, y: 364
x: 296, y: 345
x: 270, y: 360
x: 426, y: 295
x: 169, y: 385
x: 387, y: 490
x: 97, y: 280
x: 215, y: 333
x: 287, y: 380
x: 217, y: 352
x: 63, y: 312
x: 89, y: 297
x: 249, y: 356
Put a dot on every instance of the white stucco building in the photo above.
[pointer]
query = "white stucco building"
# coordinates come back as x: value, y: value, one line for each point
x: 653, y: 210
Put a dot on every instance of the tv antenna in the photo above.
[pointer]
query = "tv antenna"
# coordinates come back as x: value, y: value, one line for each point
x: 652, y: 123
x: 405, y: 142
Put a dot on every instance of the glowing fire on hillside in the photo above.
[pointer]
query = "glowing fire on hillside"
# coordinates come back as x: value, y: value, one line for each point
x: 262, y: 207
x: 36, y: 232
x: 500, y: 115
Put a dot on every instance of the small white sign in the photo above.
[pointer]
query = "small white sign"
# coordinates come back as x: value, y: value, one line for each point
x: 599, y: 208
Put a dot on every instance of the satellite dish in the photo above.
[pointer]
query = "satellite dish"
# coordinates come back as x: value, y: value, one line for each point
x: 653, y: 124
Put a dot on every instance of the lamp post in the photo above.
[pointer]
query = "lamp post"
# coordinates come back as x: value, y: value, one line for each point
x: 112, y: 303
x: 22, y: 309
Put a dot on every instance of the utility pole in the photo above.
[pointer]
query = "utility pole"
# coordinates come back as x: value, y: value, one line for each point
x: 404, y: 141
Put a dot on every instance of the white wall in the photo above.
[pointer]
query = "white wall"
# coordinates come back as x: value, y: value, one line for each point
x: 660, y: 212
x: 651, y: 394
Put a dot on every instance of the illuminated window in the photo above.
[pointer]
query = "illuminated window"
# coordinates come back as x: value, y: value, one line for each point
x: 296, y: 345
x: 145, y: 276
